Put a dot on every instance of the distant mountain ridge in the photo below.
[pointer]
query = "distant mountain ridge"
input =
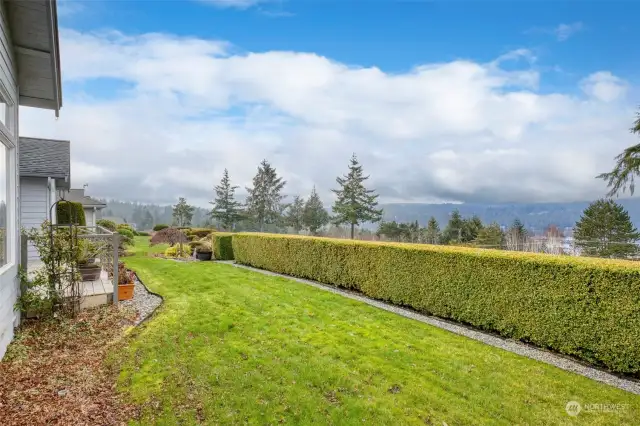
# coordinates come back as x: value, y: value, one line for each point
x: 535, y: 216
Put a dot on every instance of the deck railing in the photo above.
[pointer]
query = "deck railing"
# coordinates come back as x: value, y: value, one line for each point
x: 105, y: 246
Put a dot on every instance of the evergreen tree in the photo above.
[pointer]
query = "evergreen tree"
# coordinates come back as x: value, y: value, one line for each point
x: 355, y: 204
x: 605, y: 230
x: 226, y: 210
x: 627, y: 167
x: 182, y: 213
x: 264, y: 202
x: 470, y: 229
x: 453, y: 232
x: 295, y: 213
x: 432, y: 231
x: 314, y: 215
x: 516, y: 237
x: 390, y: 230
x: 490, y: 237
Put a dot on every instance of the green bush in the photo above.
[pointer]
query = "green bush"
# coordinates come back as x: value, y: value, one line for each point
x: 198, y: 233
x: 160, y: 227
x: 70, y: 212
x: 585, y: 307
x: 107, y: 224
x: 142, y: 234
x: 173, y: 251
x: 127, y: 236
x: 222, y: 245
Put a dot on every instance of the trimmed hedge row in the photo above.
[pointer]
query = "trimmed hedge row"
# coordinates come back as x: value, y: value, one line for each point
x: 70, y: 212
x: 222, y: 245
x: 585, y: 307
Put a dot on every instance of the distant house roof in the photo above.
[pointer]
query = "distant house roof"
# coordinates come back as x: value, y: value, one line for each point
x: 77, y: 195
x: 45, y: 158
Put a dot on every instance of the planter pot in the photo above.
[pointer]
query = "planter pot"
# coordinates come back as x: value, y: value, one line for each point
x: 90, y: 272
x: 125, y: 291
x: 203, y: 256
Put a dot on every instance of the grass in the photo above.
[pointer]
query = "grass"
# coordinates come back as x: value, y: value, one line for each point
x: 142, y: 247
x: 233, y: 346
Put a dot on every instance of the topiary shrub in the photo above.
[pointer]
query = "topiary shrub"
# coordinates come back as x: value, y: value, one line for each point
x: 70, y: 212
x: 160, y: 227
x: 179, y: 250
x: 198, y: 232
x: 222, y: 243
x: 107, y: 224
x: 585, y: 307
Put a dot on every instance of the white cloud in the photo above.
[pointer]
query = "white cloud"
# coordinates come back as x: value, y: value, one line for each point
x: 460, y: 131
x: 604, y: 86
x: 564, y: 31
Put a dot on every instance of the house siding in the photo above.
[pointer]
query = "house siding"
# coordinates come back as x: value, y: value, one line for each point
x: 9, y: 285
x: 34, y: 208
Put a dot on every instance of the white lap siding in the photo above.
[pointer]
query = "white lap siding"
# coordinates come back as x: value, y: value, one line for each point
x: 34, y: 208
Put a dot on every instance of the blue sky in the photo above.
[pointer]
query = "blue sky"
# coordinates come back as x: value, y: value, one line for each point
x: 444, y: 101
x: 396, y: 35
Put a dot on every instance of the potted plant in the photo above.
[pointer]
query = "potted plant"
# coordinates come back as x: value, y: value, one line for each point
x: 203, y: 250
x: 89, y: 269
x: 126, y: 282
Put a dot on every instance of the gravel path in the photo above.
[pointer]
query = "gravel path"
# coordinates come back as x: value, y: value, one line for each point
x: 143, y: 301
x: 514, y: 346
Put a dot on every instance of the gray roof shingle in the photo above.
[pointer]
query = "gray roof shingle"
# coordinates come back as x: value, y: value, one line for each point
x: 45, y: 158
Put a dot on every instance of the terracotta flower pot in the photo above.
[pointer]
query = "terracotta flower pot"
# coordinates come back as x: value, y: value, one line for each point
x: 125, y: 291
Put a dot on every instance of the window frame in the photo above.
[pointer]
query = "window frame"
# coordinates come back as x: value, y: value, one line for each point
x: 8, y: 139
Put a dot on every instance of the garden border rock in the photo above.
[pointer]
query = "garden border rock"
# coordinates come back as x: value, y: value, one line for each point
x: 520, y: 348
x: 132, y: 302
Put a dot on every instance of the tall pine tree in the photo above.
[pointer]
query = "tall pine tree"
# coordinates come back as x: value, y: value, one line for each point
x: 453, y: 232
x: 355, y: 204
x: 295, y: 212
x: 264, y: 202
x: 226, y: 210
x: 314, y: 216
x: 432, y: 231
x: 605, y: 230
x: 182, y: 213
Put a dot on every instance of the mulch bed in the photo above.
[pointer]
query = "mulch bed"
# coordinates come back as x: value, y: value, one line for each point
x: 56, y: 371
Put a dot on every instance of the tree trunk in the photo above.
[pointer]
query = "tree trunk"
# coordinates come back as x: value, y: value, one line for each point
x: 352, y: 230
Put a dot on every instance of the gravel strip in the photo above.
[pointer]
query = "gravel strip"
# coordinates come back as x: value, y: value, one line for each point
x: 517, y: 347
x: 143, y: 301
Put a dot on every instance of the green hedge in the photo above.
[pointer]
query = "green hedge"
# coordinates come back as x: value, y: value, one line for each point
x: 65, y: 213
x: 585, y: 307
x: 160, y: 227
x: 222, y: 245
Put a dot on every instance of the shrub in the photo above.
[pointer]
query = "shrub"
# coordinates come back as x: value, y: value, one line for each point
x: 175, y: 251
x: 70, y: 212
x: 589, y: 308
x: 127, y: 236
x: 142, y: 234
x: 194, y: 233
x: 222, y: 245
x: 160, y: 227
x: 107, y: 224
x: 204, y: 245
x: 169, y: 236
x: 126, y: 226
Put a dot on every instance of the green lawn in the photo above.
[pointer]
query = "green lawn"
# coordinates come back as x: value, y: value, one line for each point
x: 232, y: 346
x: 142, y: 247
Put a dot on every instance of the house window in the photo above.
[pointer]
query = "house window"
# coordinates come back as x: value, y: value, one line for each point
x: 4, y: 174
